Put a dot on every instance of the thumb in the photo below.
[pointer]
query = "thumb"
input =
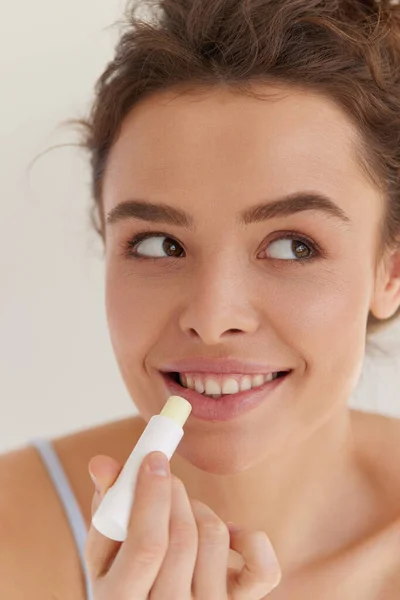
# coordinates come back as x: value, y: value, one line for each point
x: 261, y: 569
x: 104, y: 471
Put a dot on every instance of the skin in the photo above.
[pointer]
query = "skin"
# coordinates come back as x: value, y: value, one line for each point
x: 292, y: 463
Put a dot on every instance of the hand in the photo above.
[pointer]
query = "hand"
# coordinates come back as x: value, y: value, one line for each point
x: 176, y: 547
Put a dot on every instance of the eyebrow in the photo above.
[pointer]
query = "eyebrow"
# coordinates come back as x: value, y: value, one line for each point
x: 280, y: 207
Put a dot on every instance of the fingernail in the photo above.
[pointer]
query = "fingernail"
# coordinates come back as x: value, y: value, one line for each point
x: 96, y: 485
x: 158, y: 464
x: 233, y: 527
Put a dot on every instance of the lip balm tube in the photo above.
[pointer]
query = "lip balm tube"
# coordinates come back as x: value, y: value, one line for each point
x: 163, y: 433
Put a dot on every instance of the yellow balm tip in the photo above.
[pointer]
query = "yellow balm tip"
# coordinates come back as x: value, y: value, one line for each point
x: 178, y: 409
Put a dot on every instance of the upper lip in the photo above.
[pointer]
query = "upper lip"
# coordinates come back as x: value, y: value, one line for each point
x: 221, y: 365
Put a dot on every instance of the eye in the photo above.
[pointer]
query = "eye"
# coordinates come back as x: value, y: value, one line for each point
x: 290, y: 248
x: 152, y: 245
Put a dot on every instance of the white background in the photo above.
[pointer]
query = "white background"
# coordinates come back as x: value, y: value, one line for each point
x: 58, y: 373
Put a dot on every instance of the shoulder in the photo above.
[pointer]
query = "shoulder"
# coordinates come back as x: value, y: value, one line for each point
x: 378, y: 440
x: 38, y: 554
x: 35, y: 553
x: 378, y: 436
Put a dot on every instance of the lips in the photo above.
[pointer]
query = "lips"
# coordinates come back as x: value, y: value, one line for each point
x: 228, y: 406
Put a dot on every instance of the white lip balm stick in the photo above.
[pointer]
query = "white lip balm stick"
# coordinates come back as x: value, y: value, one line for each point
x: 163, y: 433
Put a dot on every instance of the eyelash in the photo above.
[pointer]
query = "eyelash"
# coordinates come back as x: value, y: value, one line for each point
x: 317, y: 251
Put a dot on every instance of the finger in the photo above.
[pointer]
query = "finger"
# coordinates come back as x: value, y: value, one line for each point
x: 261, y: 571
x: 142, y: 553
x: 174, y: 579
x: 103, y: 470
x: 100, y: 551
x: 210, y: 574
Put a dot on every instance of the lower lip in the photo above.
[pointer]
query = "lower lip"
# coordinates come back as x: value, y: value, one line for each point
x: 227, y: 407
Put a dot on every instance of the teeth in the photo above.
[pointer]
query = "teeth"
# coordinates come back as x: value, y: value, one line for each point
x: 198, y: 386
x: 230, y: 386
x: 209, y: 386
x: 259, y: 380
x: 245, y: 383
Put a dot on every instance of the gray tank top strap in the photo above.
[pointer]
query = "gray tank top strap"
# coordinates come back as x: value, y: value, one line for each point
x: 69, y: 502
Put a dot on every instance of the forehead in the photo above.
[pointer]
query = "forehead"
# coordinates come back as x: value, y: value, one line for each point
x: 221, y: 138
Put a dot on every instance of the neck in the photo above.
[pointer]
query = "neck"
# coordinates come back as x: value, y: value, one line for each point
x: 300, y: 498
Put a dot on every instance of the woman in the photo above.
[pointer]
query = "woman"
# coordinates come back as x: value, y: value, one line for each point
x: 246, y: 184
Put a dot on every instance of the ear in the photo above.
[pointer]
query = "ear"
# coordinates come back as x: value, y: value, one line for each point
x: 386, y: 297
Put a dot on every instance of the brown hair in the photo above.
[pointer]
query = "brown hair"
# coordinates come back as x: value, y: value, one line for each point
x: 348, y: 50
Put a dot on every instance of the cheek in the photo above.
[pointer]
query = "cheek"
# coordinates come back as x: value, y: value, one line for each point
x: 134, y: 315
x: 325, y: 321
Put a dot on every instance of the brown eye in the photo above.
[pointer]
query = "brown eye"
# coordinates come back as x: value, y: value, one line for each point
x: 152, y: 246
x: 289, y: 249
x: 171, y: 247
x: 300, y: 249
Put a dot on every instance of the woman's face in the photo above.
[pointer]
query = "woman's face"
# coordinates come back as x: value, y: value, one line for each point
x: 242, y: 291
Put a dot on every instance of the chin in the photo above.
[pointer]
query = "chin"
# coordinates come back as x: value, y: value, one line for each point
x: 221, y: 462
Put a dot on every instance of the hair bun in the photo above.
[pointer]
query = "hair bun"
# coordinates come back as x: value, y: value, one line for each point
x: 390, y: 11
x: 388, y: 5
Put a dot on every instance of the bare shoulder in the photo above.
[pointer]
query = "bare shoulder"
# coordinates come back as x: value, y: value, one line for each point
x: 36, y: 551
x: 378, y: 437
x: 38, y: 554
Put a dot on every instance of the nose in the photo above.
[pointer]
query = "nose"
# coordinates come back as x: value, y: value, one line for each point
x: 218, y: 303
